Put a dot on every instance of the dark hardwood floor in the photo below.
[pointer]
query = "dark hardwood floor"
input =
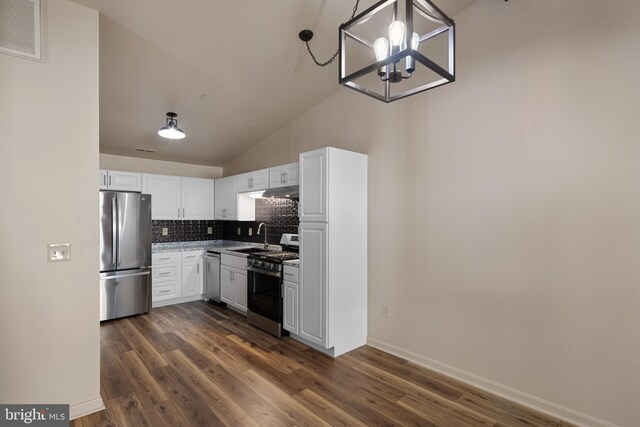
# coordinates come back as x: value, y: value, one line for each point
x: 197, y: 364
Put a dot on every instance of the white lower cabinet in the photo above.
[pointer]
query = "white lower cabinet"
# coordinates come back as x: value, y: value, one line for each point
x: 290, y: 307
x: 165, y: 277
x: 313, y: 280
x: 177, y: 277
x: 233, y: 281
x: 192, y: 277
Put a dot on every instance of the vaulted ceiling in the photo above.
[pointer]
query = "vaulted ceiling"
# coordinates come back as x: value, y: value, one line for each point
x: 234, y: 71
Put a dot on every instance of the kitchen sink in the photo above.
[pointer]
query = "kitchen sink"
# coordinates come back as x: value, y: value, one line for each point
x: 251, y: 250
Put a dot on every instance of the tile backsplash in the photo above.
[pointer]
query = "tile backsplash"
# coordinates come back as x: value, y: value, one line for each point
x: 185, y: 231
x: 280, y: 216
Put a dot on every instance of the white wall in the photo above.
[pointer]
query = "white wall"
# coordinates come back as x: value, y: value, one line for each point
x: 504, y: 208
x: 49, y: 327
x: 135, y: 164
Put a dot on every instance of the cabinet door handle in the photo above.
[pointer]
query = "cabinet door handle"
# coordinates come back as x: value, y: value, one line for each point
x: 198, y: 268
x: 164, y: 274
x: 163, y: 259
x: 286, y: 177
x: 165, y: 291
x: 178, y: 212
x: 109, y: 180
x: 208, y: 268
x: 183, y: 215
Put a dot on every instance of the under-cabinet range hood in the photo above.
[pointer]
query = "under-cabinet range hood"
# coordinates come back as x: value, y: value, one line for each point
x: 291, y: 192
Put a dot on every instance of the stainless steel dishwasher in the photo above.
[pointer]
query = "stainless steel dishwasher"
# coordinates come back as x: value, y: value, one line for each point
x: 212, y: 276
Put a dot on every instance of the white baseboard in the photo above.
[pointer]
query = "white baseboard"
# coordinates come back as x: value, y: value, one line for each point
x: 517, y: 396
x: 86, y: 408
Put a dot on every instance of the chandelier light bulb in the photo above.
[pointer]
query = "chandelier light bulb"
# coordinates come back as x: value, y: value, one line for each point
x: 396, y: 33
x: 381, y: 48
x: 415, y: 41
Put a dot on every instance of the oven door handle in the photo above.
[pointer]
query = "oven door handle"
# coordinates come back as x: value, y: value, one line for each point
x: 260, y: 271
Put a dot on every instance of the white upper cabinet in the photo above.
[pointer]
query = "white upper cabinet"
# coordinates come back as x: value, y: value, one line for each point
x: 284, y: 176
x: 102, y: 179
x: 166, y: 197
x: 175, y: 197
x: 253, y: 181
x: 119, y: 181
x: 313, y: 186
x: 229, y: 204
x: 197, y: 198
x: 224, y: 204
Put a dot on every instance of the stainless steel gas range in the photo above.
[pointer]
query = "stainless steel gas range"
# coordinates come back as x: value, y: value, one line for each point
x: 264, y: 286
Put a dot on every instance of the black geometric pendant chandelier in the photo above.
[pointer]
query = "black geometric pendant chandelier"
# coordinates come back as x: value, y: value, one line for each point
x: 395, y: 49
x: 411, y: 45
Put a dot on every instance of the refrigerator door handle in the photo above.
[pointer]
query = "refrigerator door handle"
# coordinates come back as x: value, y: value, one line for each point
x: 122, y: 276
x: 114, y: 228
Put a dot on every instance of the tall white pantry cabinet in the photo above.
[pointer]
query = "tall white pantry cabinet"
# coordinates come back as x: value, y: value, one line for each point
x: 333, y: 250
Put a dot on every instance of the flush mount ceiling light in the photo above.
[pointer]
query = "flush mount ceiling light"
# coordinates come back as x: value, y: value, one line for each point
x: 394, y: 49
x: 171, y: 130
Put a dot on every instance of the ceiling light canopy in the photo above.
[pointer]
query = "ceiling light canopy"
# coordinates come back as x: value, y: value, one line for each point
x: 171, y: 130
x: 410, y: 46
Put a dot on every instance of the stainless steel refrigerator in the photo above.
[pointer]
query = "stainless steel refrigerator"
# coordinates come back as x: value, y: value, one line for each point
x: 125, y: 254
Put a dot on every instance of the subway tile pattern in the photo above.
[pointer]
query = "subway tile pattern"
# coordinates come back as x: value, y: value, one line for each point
x: 185, y: 231
x: 280, y: 216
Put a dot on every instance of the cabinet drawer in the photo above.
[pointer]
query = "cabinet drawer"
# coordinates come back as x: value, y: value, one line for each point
x: 165, y: 291
x: 234, y: 261
x: 191, y: 256
x: 291, y: 273
x: 165, y: 272
x: 165, y: 258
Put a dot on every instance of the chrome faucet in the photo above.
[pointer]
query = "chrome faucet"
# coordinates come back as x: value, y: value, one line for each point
x: 266, y: 244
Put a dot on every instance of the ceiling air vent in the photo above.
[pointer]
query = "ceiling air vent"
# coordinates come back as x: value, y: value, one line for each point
x: 145, y: 150
x: 20, y: 28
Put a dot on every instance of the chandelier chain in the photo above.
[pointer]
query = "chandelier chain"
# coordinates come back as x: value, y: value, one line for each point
x: 335, y: 55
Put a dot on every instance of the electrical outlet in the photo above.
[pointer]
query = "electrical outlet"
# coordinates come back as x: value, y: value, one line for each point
x: 239, y: 231
x: 386, y: 311
x: 250, y: 231
x: 165, y: 231
x: 59, y: 252
x: 209, y: 230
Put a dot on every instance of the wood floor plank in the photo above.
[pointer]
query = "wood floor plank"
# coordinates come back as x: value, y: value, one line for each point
x: 326, y: 410
x: 257, y: 408
x: 145, y: 350
x: 445, y: 413
x: 186, y: 401
x: 199, y: 364
x: 170, y: 414
x: 144, y: 385
x: 226, y: 409
x: 508, y: 414
x: 282, y: 401
x: 128, y: 413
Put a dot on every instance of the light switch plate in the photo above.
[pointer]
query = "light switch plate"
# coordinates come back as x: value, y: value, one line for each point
x: 209, y: 230
x: 165, y: 231
x: 57, y: 252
